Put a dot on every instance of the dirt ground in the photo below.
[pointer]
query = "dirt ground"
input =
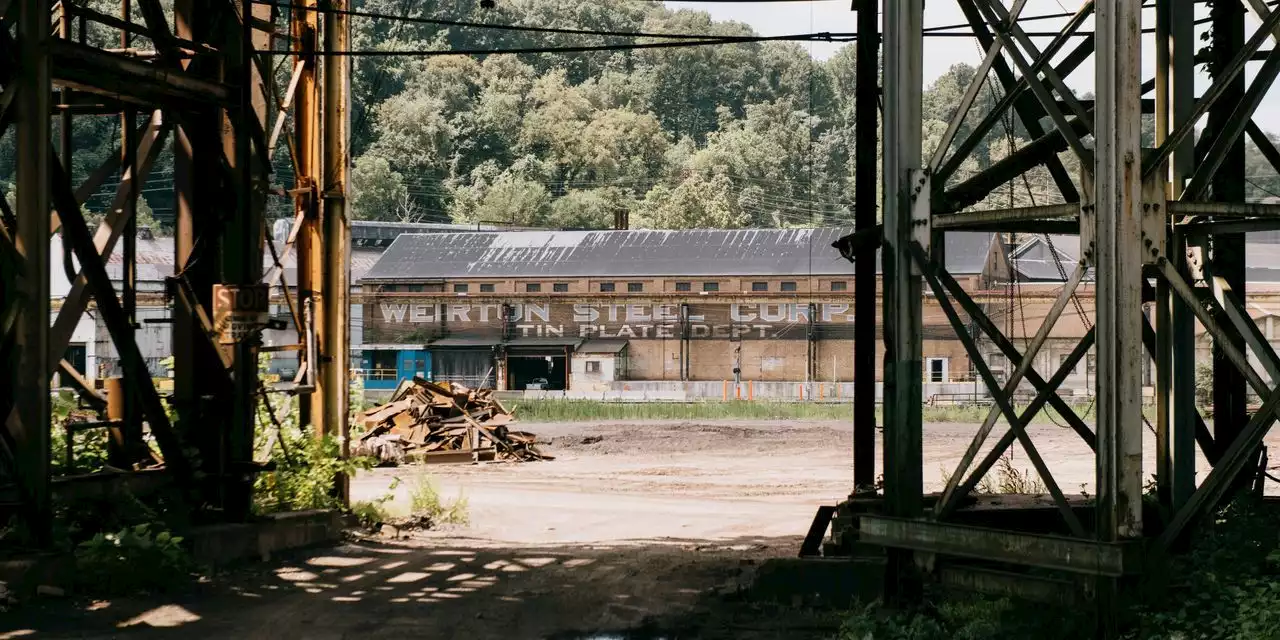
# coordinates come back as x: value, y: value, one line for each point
x: 636, y: 530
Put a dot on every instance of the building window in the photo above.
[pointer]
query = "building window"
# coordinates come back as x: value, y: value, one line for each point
x: 788, y: 286
x: 532, y: 287
x: 937, y: 369
x: 684, y: 286
x: 416, y: 288
x: 1091, y: 364
x: 593, y: 366
x: 486, y: 288
x: 560, y: 287
x: 459, y: 288
x: 1062, y: 360
x: 635, y: 287
x: 711, y: 286
x: 759, y: 286
x: 839, y: 285
x: 606, y: 287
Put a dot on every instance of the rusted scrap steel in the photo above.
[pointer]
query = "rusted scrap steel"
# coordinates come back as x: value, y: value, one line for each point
x: 434, y: 422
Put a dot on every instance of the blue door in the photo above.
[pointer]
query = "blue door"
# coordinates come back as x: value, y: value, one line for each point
x: 414, y: 363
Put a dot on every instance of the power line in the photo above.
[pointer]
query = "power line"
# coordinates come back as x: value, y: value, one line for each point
x: 716, y: 40
x: 489, y: 25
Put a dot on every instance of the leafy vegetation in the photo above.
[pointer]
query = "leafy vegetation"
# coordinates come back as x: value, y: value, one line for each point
x: 305, y: 466
x: 425, y: 502
x: 1227, y: 587
x: 740, y: 135
x: 372, y: 513
x: 137, y: 558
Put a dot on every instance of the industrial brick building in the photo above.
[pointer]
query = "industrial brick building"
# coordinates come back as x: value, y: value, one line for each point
x: 591, y: 310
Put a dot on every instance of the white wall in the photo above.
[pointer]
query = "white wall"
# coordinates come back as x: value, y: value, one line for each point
x: 580, y: 378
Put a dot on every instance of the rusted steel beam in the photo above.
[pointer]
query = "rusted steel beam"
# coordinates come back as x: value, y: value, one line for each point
x: 1028, y: 112
x: 91, y: 70
x: 28, y: 423
x: 83, y: 387
x: 108, y: 233
x: 994, y: 217
x: 94, y: 269
x: 1048, y: 552
x: 190, y: 304
x: 1050, y: 390
x: 1070, y: 63
x: 1002, y: 400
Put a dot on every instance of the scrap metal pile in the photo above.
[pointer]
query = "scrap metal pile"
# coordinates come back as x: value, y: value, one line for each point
x: 442, y: 422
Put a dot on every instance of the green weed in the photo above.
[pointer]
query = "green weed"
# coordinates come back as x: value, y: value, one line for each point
x: 425, y: 501
x: 138, y: 558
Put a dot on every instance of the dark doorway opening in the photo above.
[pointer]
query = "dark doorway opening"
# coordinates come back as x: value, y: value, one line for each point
x: 77, y: 355
x: 548, y: 373
x: 469, y: 367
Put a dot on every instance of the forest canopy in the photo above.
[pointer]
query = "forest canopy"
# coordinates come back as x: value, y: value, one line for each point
x: 752, y: 134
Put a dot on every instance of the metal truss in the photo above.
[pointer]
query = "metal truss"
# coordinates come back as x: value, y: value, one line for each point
x: 200, y: 79
x: 1161, y: 226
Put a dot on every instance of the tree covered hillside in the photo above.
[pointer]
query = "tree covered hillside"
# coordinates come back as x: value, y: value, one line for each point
x: 729, y: 135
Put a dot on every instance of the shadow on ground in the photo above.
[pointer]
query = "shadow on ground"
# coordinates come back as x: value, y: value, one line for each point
x: 442, y: 588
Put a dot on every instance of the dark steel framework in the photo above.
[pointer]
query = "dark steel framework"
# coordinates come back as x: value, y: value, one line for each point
x: 1161, y: 227
x: 200, y: 79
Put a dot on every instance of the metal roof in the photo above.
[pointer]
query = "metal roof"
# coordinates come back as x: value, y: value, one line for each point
x: 543, y: 342
x: 690, y: 253
x: 1034, y: 261
x: 607, y: 347
x: 966, y: 252
x: 444, y: 343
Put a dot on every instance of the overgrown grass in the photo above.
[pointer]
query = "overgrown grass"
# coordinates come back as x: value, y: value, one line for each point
x: 589, y: 410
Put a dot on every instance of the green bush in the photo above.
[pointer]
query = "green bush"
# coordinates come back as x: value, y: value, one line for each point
x: 132, y: 559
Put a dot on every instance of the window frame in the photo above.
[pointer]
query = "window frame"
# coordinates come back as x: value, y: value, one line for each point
x: 942, y: 373
x: 533, y: 287
x: 710, y: 287
x: 788, y: 286
x: 488, y: 287
x: 759, y: 286
x: 461, y: 287
x: 608, y: 287
x: 560, y: 287
x: 684, y: 286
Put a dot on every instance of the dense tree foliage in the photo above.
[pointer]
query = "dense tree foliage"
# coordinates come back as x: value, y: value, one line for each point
x: 746, y: 134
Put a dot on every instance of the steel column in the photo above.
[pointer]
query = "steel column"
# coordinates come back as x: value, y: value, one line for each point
x: 199, y: 399
x: 334, y: 341
x: 1176, y: 415
x: 1117, y: 253
x: 1229, y: 391
x: 903, y: 311
x: 305, y: 28
x: 30, y: 431
x: 867, y: 132
x: 1117, y: 183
